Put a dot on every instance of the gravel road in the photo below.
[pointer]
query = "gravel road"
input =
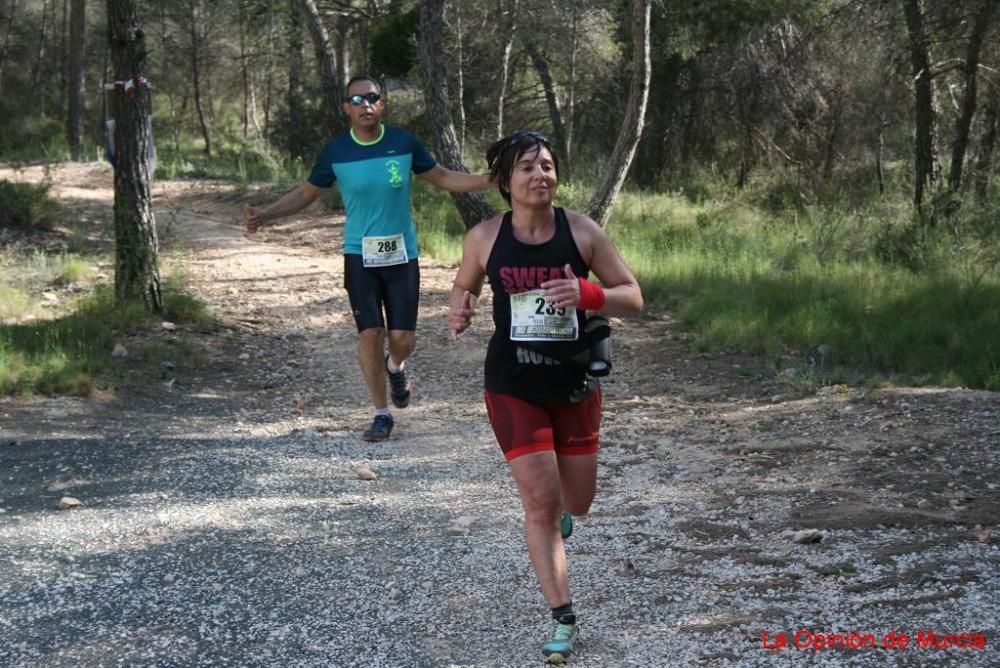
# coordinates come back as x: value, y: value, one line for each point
x: 224, y: 519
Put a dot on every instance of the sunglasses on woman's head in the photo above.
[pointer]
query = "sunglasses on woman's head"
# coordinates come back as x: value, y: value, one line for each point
x: 358, y: 99
x: 527, y: 134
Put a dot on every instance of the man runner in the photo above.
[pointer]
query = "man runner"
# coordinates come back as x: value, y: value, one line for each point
x: 372, y: 163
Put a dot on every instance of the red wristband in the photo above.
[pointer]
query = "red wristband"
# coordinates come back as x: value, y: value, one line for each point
x: 591, y: 296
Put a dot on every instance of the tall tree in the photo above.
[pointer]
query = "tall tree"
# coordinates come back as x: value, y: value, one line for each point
x: 137, y: 272
x: 246, y: 76
x: 6, y: 36
x: 541, y: 64
x: 330, y: 83
x: 987, y: 144
x: 570, y: 115
x: 630, y: 132
x: 37, y: 94
x: 471, y: 206
x: 194, y: 21
x: 269, y: 59
x: 926, y: 168
x: 970, y: 71
x: 296, y: 104
x: 63, y: 64
x: 74, y: 79
x: 507, y: 9
x: 166, y: 46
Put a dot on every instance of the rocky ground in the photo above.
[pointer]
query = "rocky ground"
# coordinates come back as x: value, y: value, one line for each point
x: 224, y: 520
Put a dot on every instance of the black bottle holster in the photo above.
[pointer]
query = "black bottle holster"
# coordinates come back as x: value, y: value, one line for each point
x: 593, y: 354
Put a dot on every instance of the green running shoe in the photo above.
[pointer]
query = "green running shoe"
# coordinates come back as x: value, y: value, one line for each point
x: 566, y: 525
x: 560, y: 647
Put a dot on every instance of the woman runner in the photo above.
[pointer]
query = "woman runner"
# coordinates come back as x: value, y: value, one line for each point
x: 544, y: 410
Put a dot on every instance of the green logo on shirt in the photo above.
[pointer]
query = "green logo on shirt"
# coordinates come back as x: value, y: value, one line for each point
x: 395, y: 180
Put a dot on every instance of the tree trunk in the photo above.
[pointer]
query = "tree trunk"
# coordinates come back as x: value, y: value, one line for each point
x: 329, y: 82
x: 245, y: 76
x: 471, y: 206
x: 36, y: 72
x: 6, y: 37
x: 567, y: 157
x: 968, y: 106
x: 269, y: 68
x: 880, y: 153
x: 196, y: 72
x: 551, y: 97
x: 342, y: 47
x: 74, y: 79
x: 689, y: 135
x: 137, y: 272
x: 508, y: 8
x: 296, y: 113
x: 175, y: 132
x: 63, y: 58
x: 611, y: 181
x: 460, y: 78
x: 984, y: 159
x: 833, y: 133
x: 926, y: 169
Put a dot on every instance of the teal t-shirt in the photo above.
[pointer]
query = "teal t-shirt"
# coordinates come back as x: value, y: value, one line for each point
x: 374, y: 180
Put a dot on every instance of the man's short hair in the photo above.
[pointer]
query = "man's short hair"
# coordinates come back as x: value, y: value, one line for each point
x: 362, y: 77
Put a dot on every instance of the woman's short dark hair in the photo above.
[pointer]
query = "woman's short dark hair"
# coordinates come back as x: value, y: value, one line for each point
x: 504, y: 154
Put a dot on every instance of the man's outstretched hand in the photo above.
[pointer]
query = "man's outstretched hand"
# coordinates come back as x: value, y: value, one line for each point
x: 252, y: 220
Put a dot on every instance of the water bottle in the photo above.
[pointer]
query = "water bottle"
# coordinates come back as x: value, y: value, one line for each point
x: 598, y: 331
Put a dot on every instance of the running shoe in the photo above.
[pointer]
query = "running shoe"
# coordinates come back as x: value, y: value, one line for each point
x: 560, y: 647
x: 566, y: 525
x: 380, y: 429
x: 399, y: 387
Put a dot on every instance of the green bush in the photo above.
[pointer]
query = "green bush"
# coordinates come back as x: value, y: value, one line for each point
x: 29, y: 137
x: 26, y: 206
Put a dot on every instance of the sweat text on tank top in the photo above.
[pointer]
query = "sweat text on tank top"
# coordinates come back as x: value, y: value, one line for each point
x: 374, y: 180
x: 517, y: 270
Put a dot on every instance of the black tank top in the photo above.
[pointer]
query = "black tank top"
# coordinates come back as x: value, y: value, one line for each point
x: 531, y: 370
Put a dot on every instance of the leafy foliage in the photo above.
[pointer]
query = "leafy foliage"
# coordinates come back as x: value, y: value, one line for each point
x: 25, y: 205
x: 394, y: 51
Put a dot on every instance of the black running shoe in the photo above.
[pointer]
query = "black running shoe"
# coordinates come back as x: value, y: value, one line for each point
x: 380, y: 429
x: 399, y: 387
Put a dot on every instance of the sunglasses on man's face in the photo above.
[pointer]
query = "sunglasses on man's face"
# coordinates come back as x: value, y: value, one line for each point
x: 358, y: 99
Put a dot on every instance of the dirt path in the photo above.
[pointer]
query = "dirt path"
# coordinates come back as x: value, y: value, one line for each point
x: 224, y: 521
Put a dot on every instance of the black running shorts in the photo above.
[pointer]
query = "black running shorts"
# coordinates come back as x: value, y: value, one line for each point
x: 395, y: 288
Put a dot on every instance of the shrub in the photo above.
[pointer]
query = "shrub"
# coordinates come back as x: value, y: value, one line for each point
x: 25, y: 205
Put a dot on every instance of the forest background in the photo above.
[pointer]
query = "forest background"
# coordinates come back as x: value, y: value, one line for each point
x: 812, y: 181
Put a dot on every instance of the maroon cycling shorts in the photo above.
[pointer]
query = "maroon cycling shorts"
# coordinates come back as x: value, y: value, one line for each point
x: 522, y: 427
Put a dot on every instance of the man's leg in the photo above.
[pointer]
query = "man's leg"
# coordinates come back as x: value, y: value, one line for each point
x: 365, y: 289
x: 401, y: 345
x: 402, y: 297
x: 371, y: 355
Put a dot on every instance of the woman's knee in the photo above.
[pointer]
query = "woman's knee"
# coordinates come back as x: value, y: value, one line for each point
x: 541, y: 508
x: 578, y: 505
